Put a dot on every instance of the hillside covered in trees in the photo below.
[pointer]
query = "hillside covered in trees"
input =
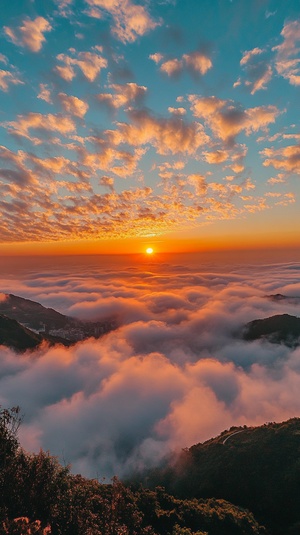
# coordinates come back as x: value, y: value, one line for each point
x: 39, y: 496
x: 257, y: 468
x: 244, y: 482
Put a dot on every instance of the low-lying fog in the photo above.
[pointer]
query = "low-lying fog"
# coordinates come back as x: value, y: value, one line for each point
x: 173, y: 374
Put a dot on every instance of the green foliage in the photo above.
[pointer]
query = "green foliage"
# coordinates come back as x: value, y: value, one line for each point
x: 39, y: 495
x: 9, y: 424
x: 256, y: 468
x: 214, y: 517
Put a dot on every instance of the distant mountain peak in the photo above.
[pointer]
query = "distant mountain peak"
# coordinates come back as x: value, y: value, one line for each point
x: 281, y: 328
x: 50, y: 324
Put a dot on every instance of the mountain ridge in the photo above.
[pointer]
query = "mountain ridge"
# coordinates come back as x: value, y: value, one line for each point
x: 256, y: 468
x: 277, y: 329
x: 51, y: 325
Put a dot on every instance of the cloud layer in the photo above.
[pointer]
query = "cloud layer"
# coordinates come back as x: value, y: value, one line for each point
x: 176, y: 372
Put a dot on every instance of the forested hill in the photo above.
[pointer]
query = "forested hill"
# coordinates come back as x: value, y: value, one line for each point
x: 256, y: 468
x: 39, y: 496
x: 246, y: 481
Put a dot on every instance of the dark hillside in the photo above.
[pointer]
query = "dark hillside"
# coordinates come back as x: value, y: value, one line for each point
x: 14, y: 335
x: 278, y: 329
x: 55, y: 327
x: 38, y: 495
x: 30, y: 312
x: 257, y: 468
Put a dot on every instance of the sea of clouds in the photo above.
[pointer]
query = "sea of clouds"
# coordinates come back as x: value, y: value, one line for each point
x: 174, y: 373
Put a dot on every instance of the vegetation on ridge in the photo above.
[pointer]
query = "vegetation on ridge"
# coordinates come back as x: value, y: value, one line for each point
x: 257, y: 468
x: 38, y: 495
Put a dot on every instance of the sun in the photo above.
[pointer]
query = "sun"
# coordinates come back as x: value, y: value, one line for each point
x: 149, y: 250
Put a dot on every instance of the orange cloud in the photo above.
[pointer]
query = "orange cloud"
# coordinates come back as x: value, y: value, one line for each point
x: 64, y: 7
x: 38, y: 121
x: 73, y: 105
x: 287, y: 158
x: 130, y: 20
x: 287, y: 54
x: 45, y: 93
x: 7, y: 78
x: 218, y: 156
x: 177, y: 111
x: 196, y: 62
x: 166, y: 135
x: 248, y: 55
x: 123, y: 94
x: 258, y: 71
x: 90, y: 64
x: 30, y: 34
x: 171, y: 67
x: 227, y: 120
x: 199, y: 183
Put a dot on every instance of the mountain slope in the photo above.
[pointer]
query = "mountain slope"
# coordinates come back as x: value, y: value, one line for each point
x: 38, y: 495
x: 53, y: 325
x: 31, y: 312
x: 14, y: 335
x: 281, y: 328
x: 256, y: 468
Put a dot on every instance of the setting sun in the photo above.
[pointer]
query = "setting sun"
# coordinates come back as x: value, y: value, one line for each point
x: 149, y: 250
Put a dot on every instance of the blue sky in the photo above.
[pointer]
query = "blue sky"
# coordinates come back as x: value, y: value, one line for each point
x: 126, y: 120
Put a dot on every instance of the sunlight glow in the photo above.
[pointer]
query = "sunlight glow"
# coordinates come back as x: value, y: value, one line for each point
x: 149, y: 250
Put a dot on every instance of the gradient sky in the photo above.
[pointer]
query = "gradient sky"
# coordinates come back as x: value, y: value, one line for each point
x: 171, y: 123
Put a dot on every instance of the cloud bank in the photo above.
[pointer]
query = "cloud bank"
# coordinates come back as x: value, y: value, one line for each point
x: 175, y: 372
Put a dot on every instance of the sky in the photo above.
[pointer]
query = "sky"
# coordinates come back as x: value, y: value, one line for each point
x: 175, y: 373
x: 170, y: 123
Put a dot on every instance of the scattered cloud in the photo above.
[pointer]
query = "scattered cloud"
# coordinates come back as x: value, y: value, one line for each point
x: 287, y: 54
x: 166, y: 135
x: 227, y: 120
x: 73, y: 105
x: 177, y: 111
x: 286, y: 158
x: 130, y: 20
x: 30, y: 34
x: 258, y: 71
x: 197, y: 63
x: 90, y: 64
x: 45, y: 93
x: 44, y: 123
x: 184, y: 160
x: 250, y: 54
x: 172, y: 67
x: 64, y: 7
x: 8, y: 78
x: 123, y: 95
